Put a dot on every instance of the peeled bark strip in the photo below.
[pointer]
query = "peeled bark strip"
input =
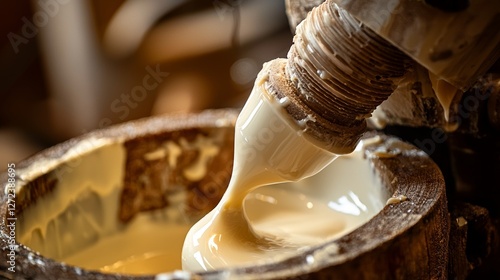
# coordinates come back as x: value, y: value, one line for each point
x: 414, y: 103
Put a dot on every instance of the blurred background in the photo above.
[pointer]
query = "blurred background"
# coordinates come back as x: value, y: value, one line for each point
x: 71, y: 66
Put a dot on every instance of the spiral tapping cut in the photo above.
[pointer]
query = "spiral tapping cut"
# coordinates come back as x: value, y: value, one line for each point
x: 337, y: 71
x: 302, y: 112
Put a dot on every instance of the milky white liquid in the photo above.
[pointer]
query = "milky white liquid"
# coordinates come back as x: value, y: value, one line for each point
x: 445, y: 93
x: 269, y: 148
x: 145, y: 247
x: 76, y: 223
x: 333, y: 202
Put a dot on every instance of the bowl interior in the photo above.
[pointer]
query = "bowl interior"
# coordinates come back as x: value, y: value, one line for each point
x: 122, y: 199
x: 79, y: 220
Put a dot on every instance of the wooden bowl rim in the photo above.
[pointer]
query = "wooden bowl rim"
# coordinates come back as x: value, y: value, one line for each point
x: 423, y: 185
